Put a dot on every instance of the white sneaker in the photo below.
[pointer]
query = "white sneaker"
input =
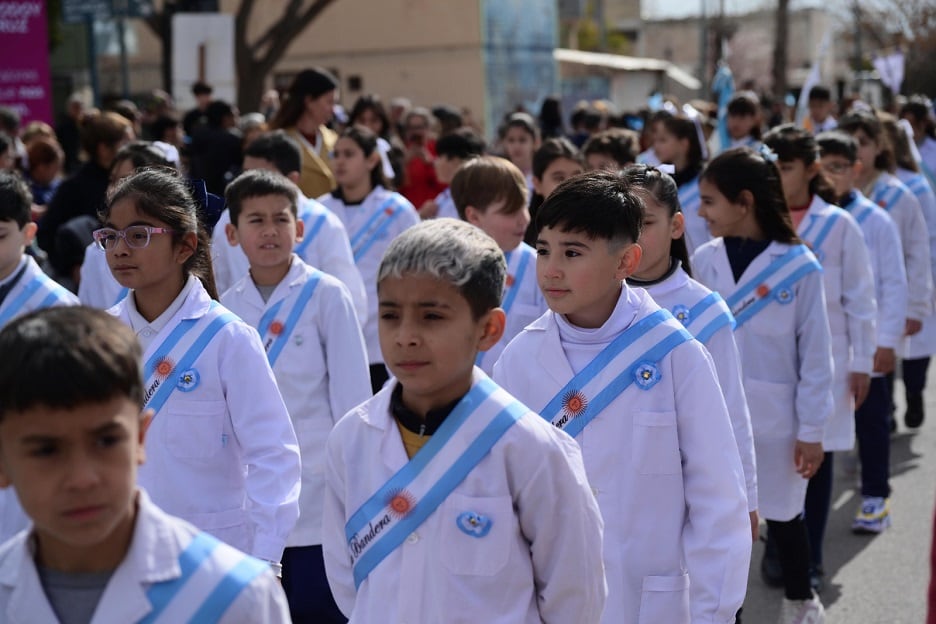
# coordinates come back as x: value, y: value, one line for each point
x: 802, y: 611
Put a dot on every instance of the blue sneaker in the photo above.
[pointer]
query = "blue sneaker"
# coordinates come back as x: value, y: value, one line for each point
x: 874, y: 515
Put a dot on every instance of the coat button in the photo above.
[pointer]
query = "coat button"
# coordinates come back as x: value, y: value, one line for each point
x: 412, y: 539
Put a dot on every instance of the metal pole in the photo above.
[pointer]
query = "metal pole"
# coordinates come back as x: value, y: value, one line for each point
x: 92, y: 60
x: 703, y: 51
x: 124, y: 65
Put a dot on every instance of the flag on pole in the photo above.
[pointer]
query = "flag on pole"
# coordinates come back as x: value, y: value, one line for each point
x: 813, y: 79
x: 723, y: 87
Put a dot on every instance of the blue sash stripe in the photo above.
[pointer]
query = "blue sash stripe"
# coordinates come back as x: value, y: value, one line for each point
x: 308, y: 289
x: 361, y: 245
x: 689, y: 193
x: 310, y: 234
x: 168, y: 344
x: 230, y: 587
x: 15, y: 305
x: 749, y: 312
x: 185, y: 362
x: 160, y: 595
x: 425, y: 507
x: 625, y: 379
x: 268, y: 316
x: 478, y: 393
x: 917, y: 184
x: 52, y: 298
x: 515, y: 288
x: 813, y: 219
x: 723, y: 320
x: 888, y: 197
x: 824, y: 232
x: 121, y: 295
x: 928, y: 174
x: 704, y: 304
x: 866, y: 210
x: 752, y: 284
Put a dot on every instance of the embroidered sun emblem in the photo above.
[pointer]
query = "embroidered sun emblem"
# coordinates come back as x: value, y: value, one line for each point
x: 401, y: 503
x: 388, y: 211
x: 164, y: 366
x: 882, y: 204
x: 276, y: 328
x: 510, y: 280
x: 574, y: 403
x: 763, y: 290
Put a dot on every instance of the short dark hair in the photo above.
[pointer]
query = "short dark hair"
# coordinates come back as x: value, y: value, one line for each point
x: 551, y: 150
x: 93, y: 356
x: 202, y: 88
x: 141, y: 154
x: 482, y: 181
x: 838, y: 143
x: 15, y: 199
x: 661, y: 187
x: 217, y: 111
x: 463, y: 143
x: 162, y: 124
x: 820, y: 93
x: 278, y: 148
x: 600, y: 204
x: 620, y: 144
x: 9, y: 119
x: 744, y: 103
x: 259, y: 183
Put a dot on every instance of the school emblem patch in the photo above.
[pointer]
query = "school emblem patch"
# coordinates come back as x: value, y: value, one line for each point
x: 681, y: 313
x: 473, y: 524
x: 646, y: 375
x: 574, y: 403
x: 188, y: 380
x: 784, y: 296
x: 298, y: 339
x: 401, y: 503
x: 163, y: 367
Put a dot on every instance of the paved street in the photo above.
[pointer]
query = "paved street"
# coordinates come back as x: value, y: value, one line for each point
x: 881, y: 579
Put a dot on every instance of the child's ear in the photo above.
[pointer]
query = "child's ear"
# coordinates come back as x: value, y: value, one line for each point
x: 300, y: 229
x: 146, y: 419
x: 493, y: 323
x: 373, y: 160
x: 745, y: 200
x: 473, y: 215
x: 677, y: 226
x: 230, y: 231
x: 187, y: 247
x: 29, y: 232
x: 628, y: 260
x: 293, y: 177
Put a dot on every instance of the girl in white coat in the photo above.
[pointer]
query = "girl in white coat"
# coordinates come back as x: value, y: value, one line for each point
x: 677, y: 142
x: 221, y: 451
x: 773, y: 285
x: 665, y: 274
x: 373, y: 216
x: 838, y: 243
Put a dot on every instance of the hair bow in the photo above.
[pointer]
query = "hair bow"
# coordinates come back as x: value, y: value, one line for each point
x: 667, y: 169
x: 768, y: 154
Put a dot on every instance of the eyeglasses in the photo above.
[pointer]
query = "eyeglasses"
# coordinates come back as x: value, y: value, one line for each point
x: 836, y: 168
x: 136, y: 236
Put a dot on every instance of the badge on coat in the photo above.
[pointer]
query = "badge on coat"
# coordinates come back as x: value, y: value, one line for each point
x: 646, y: 375
x: 473, y: 524
x: 188, y: 380
x: 784, y: 296
x: 574, y: 403
x: 681, y: 313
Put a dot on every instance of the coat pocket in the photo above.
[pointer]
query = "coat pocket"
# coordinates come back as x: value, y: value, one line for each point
x: 194, y: 429
x: 656, y: 443
x: 477, y: 534
x: 664, y: 599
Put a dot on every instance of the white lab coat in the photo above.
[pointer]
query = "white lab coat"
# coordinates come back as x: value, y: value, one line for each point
x: 223, y: 455
x: 677, y: 535
x: 923, y: 343
x: 528, y: 305
x: 887, y: 266
x: 541, y: 561
x: 151, y: 561
x: 914, y: 238
x: 697, y: 232
x: 328, y: 251
x: 681, y: 290
x: 850, y: 304
x: 97, y: 287
x: 786, y: 364
x: 446, y: 205
x: 321, y: 373
x: 354, y: 218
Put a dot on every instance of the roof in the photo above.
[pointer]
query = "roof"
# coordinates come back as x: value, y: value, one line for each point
x: 619, y: 62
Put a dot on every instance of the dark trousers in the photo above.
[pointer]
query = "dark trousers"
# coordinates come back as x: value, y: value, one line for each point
x: 793, y: 551
x: 306, y: 587
x: 914, y: 375
x: 378, y: 377
x: 872, y: 428
x: 818, y: 501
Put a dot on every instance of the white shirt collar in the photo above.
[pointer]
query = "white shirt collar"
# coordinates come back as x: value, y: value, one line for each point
x: 143, y: 328
x: 15, y: 272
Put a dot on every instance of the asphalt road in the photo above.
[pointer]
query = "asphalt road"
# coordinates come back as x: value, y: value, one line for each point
x: 880, y: 579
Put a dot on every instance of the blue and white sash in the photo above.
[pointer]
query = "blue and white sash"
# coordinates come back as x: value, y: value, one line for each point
x: 170, y: 365
x: 374, y: 228
x: 313, y: 221
x: 124, y: 291
x: 39, y: 292
x: 517, y: 262
x: 706, y: 317
x: 689, y: 195
x: 775, y: 283
x: 404, y: 502
x: 274, y: 332
x: 204, y: 595
x: 918, y: 185
x: 886, y: 196
x: 815, y: 242
x: 859, y: 209
x: 632, y: 357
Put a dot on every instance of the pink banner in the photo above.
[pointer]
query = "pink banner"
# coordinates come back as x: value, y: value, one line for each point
x: 24, y: 47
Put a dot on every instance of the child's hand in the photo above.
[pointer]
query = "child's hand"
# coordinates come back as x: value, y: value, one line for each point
x: 885, y: 360
x: 912, y: 326
x: 807, y: 457
x: 858, y: 384
x: 755, y: 525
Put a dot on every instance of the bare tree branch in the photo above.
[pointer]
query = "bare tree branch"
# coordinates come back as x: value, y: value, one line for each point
x: 291, y: 29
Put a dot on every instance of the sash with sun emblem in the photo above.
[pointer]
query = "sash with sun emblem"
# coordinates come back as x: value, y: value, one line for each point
x: 885, y: 195
x: 278, y: 322
x: 773, y: 284
x: 169, y: 365
x: 631, y: 358
x: 404, y: 502
x: 814, y: 237
x: 517, y: 262
x: 373, y: 228
x: 860, y: 207
x: 39, y: 292
x: 706, y: 317
x: 313, y: 219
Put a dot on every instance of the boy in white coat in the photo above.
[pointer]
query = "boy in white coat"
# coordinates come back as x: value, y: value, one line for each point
x: 491, y: 193
x: 312, y: 338
x: 447, y: 500
x: 641, y: 397
x: 72, y: 451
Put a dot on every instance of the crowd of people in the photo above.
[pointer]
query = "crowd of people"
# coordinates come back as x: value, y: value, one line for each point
x: 565, y: 376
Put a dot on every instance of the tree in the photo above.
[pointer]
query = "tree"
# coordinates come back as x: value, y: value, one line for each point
x: 255, y: 59
x: 780, y: 50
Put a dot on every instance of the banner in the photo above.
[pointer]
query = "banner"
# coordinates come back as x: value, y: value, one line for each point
x: 25, y: 85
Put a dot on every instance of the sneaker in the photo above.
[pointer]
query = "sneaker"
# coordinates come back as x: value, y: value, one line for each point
x: 802, y: 611
x: 914, y: 416
x: 874, y: 515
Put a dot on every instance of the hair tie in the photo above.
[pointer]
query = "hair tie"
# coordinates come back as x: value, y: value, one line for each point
x: 383, y: 147
x: 908, y: 131
x: 170, y: 152
x: 768, y: 154
x: 696, y: 118
x: 667, y: 169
